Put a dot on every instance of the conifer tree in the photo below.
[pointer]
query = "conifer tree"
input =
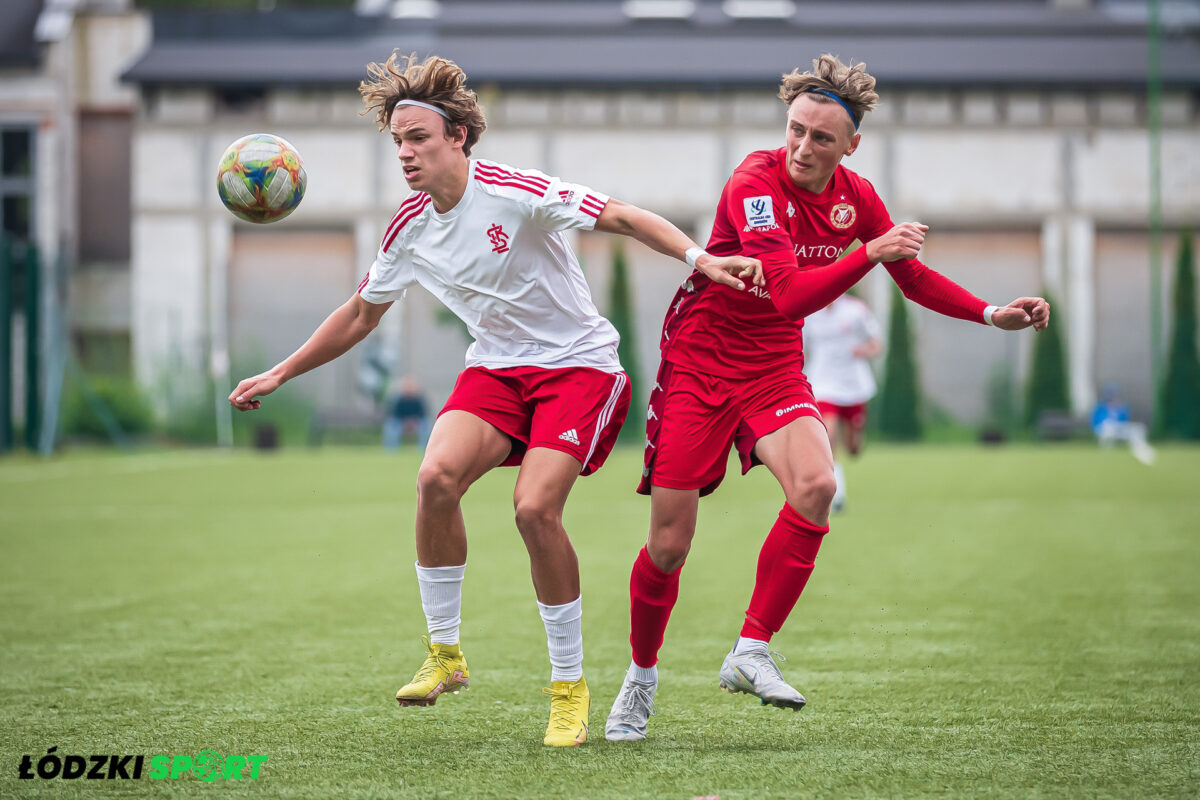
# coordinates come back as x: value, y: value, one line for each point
x: 1179, y: 414
x: 899, y: 401
x: 1048, y: 388
x: 620, y: 314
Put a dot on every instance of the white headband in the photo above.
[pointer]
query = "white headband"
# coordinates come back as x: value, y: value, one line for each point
x: 419, y: 104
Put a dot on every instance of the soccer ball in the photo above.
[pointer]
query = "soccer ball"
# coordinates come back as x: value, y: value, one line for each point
x: 261, y: 178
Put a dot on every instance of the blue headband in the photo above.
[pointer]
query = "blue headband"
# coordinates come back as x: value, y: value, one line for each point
x: 837, y: 100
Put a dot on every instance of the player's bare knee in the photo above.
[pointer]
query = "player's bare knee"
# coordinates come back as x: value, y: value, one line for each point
x: 436, y: 485
x: 822, y: 487
x: 669, y: 556
x: 812, y: 496
x: 537, y: 521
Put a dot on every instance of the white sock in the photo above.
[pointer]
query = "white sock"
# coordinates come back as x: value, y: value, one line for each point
x: 643, y: 674
x: 441, y: 600
x: 748, y: 645
x: 564, y: 637
x: 839, y: 494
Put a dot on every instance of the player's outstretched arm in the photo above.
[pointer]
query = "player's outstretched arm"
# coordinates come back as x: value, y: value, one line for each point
x: 348, y: 325
x: 659, y: 234
x: 797, y: 293
x: 938, y: 293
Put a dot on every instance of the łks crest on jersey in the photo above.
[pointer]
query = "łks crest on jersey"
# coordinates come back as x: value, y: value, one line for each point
x: 498, y: 237
x: 842, y: 215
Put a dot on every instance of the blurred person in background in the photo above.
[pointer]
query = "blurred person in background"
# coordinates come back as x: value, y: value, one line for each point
x: 839, y: 342
x: 732, y: 374
x: 407, y: 411
x: 1111, y: 423
x: 542, y: 388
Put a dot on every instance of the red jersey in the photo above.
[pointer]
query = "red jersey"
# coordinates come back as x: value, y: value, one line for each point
x: 762, y: 213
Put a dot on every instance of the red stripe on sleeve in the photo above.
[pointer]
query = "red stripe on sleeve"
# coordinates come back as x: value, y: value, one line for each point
x: 408, y: 204
x: 592, y: 206
x: 503, y: 178
x: 414, y: 212
x: 496, y: 172
x: 511, y: 184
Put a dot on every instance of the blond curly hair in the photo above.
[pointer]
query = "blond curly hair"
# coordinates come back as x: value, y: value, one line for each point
x: 853, y: 84
x: 437, y: 81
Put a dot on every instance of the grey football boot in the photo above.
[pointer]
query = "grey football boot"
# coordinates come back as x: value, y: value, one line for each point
x: 631, y: 711
x: 757, y: 673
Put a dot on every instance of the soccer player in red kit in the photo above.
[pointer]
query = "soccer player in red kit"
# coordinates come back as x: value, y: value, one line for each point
x: 732, y: 375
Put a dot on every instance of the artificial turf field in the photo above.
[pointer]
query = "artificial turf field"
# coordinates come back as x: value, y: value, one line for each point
x: 1015, y: 622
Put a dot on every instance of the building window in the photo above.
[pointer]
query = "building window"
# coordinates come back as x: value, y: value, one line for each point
x: 104, y: 186
x: 16, y: 201
x: 241, y: 100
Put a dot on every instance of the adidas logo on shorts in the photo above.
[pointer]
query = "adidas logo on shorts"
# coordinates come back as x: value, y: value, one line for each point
x: 570, y: 436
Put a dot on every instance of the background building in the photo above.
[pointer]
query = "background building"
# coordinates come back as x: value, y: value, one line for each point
x: 1020, y: 131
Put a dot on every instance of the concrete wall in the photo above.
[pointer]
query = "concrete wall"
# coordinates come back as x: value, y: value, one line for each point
x: 1021, y: 183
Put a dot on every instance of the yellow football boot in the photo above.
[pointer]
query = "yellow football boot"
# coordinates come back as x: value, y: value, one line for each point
x: 570, y: 702
x: 444, y: 670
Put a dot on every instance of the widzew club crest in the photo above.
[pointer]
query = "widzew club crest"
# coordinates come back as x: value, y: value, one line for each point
x: 842, y: 215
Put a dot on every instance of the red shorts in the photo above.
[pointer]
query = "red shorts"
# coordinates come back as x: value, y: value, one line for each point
x: 694, y: 418
x: 577, y: 410
x: 855, y: 415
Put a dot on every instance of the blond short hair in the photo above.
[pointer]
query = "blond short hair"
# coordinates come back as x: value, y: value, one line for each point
x: 853, y: 84
x: 437, y: 81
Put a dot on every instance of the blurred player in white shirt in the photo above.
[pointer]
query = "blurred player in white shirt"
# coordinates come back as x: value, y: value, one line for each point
x: 839, y: 341
x: 542, y: 388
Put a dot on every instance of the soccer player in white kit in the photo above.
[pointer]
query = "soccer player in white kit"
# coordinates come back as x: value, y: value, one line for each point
x: 542, y: 387
x: 839, y: 341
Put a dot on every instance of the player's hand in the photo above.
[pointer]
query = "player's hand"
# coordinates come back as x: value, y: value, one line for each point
x: 1021, y: 313
x: 732, y: 270
x: 245, y: 396
x: 902, y: 241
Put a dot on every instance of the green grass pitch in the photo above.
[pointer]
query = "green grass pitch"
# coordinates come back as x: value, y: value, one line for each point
x: 1014, y: 623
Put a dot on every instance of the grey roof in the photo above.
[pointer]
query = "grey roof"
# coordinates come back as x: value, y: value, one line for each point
x: 591, y: 43
x: 17, y: 45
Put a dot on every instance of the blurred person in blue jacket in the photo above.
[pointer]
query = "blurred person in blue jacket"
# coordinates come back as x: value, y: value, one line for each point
x: 1111, y: 423
x: 407, y: 410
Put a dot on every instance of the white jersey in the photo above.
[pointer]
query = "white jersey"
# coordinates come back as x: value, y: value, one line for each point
x: 500, y: 262
x: 831, y: 336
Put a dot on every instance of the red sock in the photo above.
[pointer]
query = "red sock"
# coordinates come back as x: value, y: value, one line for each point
x: 652, y: 595
x: 784, y: 564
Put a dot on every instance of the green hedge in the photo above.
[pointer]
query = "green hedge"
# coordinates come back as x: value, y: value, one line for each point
x: 84, y: 404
